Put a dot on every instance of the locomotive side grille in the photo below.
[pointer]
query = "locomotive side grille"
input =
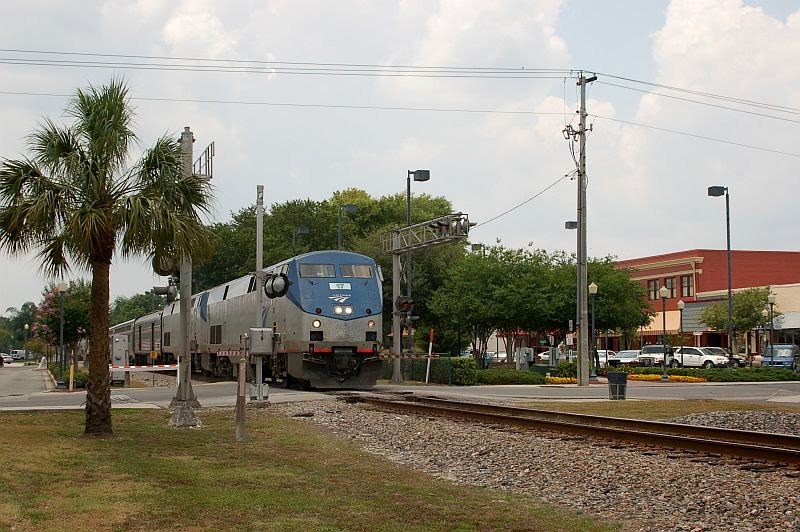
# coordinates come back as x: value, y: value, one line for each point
x: 315, y: 336
x: 372, y: 336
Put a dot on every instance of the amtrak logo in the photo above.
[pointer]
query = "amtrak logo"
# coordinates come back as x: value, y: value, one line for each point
x: 339, y: 299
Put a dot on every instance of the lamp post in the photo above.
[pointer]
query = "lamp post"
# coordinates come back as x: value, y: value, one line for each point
x: 418, y: 175
x: 664, y: 292
x: 347, y: 208
x: 25, y: 344
x: 594, y: 360
x: 681, y: 305
x: 297, y: 231
x: 764, y: 314
x: 717, y: 191
x: 771, y: 301
x: 62, y: 290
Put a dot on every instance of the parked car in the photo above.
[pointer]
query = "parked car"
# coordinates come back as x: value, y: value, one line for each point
x: 5, y: 358
x: 18, y: 354
x: 739, y: 360
x: 781, y: 356
x: 653, y: 355
x: 697, y: 357
x: 627, y: 357
x: 603, y: 355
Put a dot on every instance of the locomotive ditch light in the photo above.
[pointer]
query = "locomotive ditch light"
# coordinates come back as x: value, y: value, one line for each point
x: 316, y: 324
x: 371, y: 324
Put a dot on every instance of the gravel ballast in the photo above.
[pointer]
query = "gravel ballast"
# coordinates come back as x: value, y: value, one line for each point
x: 619, y: 484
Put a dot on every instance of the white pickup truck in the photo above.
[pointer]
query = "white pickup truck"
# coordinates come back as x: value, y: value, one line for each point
x: 652, y: 355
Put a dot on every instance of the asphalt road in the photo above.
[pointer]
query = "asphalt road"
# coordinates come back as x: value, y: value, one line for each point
x: 24, y: 387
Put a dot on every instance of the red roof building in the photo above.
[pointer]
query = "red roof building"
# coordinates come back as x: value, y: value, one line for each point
x: 699, y: 277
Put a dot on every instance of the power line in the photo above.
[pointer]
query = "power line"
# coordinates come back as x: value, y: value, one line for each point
x: 302, y: 105
x: 548, y: 187
x: 262, y: 62
x: 703, y: 137
x: 704, y: 103
x: 420, y: 109
x: 742, y: 101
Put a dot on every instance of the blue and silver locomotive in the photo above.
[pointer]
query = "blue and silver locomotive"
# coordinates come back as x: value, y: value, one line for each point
x: 326, y: 329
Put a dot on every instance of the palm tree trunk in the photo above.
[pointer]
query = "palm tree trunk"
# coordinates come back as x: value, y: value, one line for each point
x: 98, y: 387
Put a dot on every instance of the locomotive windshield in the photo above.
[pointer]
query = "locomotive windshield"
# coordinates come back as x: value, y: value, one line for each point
x: 317, y: 270
x: 362, y: 271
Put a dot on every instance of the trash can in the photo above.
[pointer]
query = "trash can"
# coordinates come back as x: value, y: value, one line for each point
x: 617, y: 385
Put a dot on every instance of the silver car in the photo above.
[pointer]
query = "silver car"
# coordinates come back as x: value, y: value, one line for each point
x: 623, y: 358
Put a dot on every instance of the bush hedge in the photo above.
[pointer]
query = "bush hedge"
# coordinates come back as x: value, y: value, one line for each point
x: 509, y: 376
x: 79, y: 378
x: 459, y: 371
x: 760, y: 374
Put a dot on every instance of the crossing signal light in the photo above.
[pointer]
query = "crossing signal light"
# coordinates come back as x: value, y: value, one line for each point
x: 404, y: 304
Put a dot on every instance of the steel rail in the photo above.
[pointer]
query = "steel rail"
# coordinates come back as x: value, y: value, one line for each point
x: 759, y: 446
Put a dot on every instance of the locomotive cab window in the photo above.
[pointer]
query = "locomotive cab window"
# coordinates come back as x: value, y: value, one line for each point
x: 317, y: 270
x: 361, y: 271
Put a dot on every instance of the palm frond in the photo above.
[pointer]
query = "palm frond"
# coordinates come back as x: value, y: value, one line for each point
x: 103, y: 122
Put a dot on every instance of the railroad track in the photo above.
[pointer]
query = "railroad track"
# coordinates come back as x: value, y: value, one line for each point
x: 765, y: 449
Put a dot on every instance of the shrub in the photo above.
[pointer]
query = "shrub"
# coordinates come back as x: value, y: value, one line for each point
x: 508, y: 376
x: 567, y: 370
x: 459, y: 371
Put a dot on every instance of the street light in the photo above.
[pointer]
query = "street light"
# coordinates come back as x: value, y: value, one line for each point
x: 347, y: 208
x: 764, y: 314
x: 594, y: 359
x: 25, y: 345
x: 771, y: 300
x: 681, y: 305
x: 297, y: 231
x: 62, y: 289
x: 664, y: 292
x: 717, y: 191
x: 418, y: 175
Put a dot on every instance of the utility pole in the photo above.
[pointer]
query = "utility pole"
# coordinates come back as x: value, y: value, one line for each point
x: 397, y: 339
x: 184, y: 404
x: 258, y: 360
x: 583, y: 311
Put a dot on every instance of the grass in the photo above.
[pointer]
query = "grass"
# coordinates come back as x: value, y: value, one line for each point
x: 656, y: 409
x: 288, y: 475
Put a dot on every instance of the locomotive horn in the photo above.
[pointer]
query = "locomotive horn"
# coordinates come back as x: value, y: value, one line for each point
x: 276, y: 285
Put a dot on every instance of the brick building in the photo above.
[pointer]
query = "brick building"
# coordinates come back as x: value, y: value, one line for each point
x: 699, y: 277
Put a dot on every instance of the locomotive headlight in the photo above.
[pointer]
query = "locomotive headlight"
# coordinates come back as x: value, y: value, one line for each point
x: 316, y: 324
x: 338, y: 310
x: 348, y: 310
x: 371, y: 324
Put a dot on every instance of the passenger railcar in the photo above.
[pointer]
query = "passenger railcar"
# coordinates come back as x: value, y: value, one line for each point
x: 326, y: 329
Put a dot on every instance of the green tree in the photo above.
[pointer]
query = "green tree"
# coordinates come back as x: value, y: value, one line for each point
x: 75, y: 201
x: 77, y: 305
x: 746, y: 306
x: 136, y: 306
x: 17, y: 320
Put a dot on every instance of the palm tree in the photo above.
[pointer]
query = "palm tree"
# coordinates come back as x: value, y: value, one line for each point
x: 76, y: 200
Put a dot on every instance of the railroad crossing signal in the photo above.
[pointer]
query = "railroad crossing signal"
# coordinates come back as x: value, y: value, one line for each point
x: 404, y: 304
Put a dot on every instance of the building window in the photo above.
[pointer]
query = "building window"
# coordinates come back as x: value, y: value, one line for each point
x: 669, y: 282
x: 687, y: 286
x: 216, y: 334
x: 652, y: 289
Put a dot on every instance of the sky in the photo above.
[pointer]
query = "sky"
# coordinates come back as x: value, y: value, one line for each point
x: 689, y: 94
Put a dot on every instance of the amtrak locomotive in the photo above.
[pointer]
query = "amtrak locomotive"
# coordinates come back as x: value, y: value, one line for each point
x: 326, y: 329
